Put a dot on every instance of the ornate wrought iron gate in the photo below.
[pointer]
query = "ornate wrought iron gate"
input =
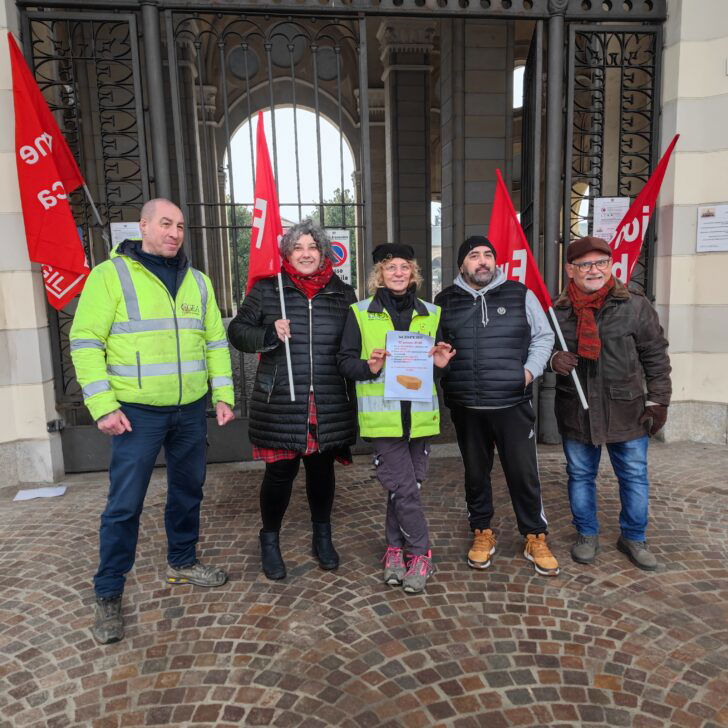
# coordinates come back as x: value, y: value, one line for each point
x: 138, y: 128
x: 612, y: 130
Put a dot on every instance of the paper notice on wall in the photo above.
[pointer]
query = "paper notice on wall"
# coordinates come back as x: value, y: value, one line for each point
x: 121, y: 231
x: 608, y: 213
x: 712, y: 228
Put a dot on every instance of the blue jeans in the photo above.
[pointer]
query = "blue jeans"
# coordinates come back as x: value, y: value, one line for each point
x: 182, y: 433
x: 629, y: 460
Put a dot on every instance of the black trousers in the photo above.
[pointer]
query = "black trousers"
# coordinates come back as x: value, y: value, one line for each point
x: 275, y: 491
x: 512, y: 431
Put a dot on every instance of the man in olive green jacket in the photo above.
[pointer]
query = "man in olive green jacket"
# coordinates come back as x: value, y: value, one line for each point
x: 146, y: 338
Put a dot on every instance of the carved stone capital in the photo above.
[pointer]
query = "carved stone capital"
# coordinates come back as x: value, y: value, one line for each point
x: 376, y: 103
x: 399, y: 35
x: 557, y: 7
x: 207, y: 106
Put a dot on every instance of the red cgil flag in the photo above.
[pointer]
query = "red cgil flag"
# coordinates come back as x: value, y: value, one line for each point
x: 47, y: 173
x: 509, y: 240
x: 265, y: 256
x: 630, y: 234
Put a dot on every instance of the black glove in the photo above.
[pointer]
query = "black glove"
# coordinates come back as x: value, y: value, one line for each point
x: 562, y: 362
x: 656, y: 414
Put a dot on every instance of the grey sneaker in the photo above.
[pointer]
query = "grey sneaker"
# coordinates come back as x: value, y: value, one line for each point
x: 197, y: 574
x: 585, y: 549
x: 419, y: 567
x: 394, y: 568
x: 638, y: 553
x: 108, y: 622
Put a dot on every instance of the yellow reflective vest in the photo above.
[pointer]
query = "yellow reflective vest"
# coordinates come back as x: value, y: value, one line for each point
x: 380, y: 417
x: 132, y: 342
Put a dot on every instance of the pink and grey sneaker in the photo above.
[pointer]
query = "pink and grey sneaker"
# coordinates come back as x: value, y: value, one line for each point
x: 419, y: 567
x: 394, y: 568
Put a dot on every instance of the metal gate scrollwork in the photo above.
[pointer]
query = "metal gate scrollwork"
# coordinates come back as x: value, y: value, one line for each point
x: 612, y: 124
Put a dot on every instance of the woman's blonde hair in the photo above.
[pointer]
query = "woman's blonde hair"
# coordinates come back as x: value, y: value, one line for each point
x: 376, y: 276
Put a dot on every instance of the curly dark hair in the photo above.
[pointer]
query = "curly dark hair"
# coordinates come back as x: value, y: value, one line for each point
x: 306, y: 227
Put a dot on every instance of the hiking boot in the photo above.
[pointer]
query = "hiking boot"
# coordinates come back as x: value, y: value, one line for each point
x: 197, y: 574
x: 538, y: 553
x: 322, y: 547
x: 270, y: 555
x: 482, y: 549
x: 638, y: 553
x: 394, y: 568
x: 419, y: 567
x: 108, y: 622
x: 585, y: 549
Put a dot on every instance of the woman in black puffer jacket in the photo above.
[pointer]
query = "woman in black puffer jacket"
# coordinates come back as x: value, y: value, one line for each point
x: 320, y: 425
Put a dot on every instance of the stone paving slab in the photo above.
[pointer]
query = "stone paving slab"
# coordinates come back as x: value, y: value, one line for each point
x: 601, y: 645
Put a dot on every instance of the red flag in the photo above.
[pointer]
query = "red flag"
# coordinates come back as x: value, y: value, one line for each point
x: 62, y: 285
x: 514, y: 253
x: 629, y: 236
x: 47, y: 174
x: 265, y: 257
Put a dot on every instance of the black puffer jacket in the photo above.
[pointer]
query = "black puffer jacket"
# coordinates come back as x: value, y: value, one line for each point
x: 487, y: 370
x: 316, y: 328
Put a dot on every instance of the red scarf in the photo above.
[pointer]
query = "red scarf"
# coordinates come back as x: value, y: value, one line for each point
x: 585, y: 305
x: 312, y: 283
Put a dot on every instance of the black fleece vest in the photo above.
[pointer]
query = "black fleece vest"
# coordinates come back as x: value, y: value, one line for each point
x: 487, y: 370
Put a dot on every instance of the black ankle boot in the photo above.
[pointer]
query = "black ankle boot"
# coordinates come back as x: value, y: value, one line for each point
x: 270, y: 555
x: 322, y: 547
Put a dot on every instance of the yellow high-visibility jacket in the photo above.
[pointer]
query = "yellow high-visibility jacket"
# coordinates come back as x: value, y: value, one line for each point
x: 380, y: 417
x: 132, y: 342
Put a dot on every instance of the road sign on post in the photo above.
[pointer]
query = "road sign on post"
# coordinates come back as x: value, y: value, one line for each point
x: 341, y: 247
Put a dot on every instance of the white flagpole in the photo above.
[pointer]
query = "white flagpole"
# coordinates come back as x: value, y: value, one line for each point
x: 97, y: 216
x: 288, y: 348
x: 577, y: 383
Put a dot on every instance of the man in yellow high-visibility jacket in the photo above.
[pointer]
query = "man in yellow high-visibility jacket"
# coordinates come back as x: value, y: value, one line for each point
x: 146, y: 338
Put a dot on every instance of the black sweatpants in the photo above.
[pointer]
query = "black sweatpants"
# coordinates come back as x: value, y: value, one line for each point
x: 512, y: 431
x: 275, y: 491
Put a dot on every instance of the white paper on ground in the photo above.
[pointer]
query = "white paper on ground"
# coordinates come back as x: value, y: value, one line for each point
x: 49, y: 492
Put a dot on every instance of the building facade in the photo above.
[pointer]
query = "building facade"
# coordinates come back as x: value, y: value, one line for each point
x: 424, y: 99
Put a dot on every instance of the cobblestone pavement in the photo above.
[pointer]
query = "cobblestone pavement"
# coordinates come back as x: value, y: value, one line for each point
x: 599, y: 645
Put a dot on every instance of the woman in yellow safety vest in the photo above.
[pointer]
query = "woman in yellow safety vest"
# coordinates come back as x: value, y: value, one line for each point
x: 399, y: 429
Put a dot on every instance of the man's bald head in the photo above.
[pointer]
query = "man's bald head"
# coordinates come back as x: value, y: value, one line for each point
x: 163, y: 227
x: 150, y: 207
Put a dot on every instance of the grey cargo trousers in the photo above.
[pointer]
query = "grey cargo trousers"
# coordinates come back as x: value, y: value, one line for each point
x: 401, y: 467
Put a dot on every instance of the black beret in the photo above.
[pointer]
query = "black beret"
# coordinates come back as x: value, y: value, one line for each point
x: 474, y: 241
x: 393, y: 250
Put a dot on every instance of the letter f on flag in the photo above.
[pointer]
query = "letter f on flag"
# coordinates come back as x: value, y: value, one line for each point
x: 265, y: 257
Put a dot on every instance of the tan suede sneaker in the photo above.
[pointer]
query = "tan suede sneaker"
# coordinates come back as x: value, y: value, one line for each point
x: 538, y: 553
x: 482, y: 549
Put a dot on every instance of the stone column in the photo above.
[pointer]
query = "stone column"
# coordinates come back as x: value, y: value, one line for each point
x: 691, y: 295
x: 406, y: 46
x: 28, y: 453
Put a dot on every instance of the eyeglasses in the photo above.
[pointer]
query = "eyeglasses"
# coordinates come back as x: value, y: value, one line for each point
x: 394, y: 268
x: 600, y: 264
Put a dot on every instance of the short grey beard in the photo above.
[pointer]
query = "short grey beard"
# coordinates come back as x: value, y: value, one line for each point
x: 470, y: 280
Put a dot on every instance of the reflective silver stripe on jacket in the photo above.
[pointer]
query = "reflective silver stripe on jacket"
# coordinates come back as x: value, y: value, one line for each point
x: 127, y: 289
x: 221, y: 382
x: 87, y: 344
x: 134, y: 327
x: 363, y: 305
x: 135, y: 324
x: 372, y: 403
x: 220, y: 344
x: 156, y: 370
x: 203, y: 290
x: 102, y: 385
